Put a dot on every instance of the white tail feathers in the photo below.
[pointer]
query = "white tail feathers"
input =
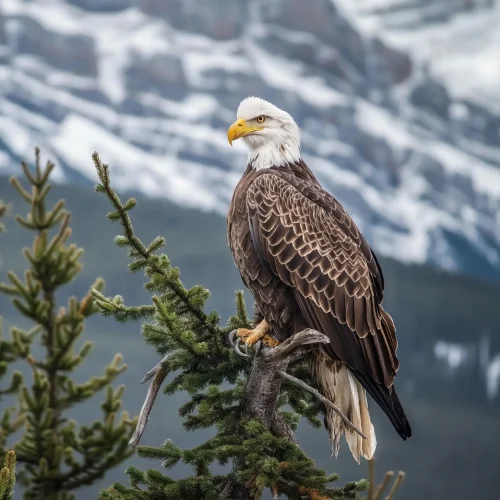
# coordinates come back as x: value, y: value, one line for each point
x: 336, y: 382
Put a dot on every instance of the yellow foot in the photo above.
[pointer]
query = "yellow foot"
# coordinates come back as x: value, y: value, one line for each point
x: 269, y: 341
x: 260, y: 332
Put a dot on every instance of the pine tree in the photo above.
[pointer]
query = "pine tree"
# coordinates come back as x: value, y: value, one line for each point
x: 8, y: 476
x: 8, y: 425
x: 56, y: 454
x: 195, y: 350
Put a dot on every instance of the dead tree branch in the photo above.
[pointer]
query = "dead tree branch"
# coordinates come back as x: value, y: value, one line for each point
x: 158, y: 373
x: 376, y: 492
x: 324, y: 400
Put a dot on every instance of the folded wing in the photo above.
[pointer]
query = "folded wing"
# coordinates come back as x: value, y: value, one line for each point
x: 309, y: 241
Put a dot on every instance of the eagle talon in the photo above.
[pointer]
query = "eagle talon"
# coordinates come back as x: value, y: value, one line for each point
x: 258, y: 347
x: 252, y: 336
x: 269, y: 341
x: 245, y: 334
x: 237, y: 349
x: 231, y: 337
x: 244, y: 338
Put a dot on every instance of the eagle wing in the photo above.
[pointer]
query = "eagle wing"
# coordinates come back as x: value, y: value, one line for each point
x: 308, y: 240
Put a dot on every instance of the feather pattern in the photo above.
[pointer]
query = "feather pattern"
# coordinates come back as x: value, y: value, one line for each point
x: 338, y: 384
x: 308, y: 265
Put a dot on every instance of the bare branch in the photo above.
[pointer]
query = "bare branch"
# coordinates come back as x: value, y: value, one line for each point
x: 396, y: 485
x: 382, y: 487
x: 371, y: 478
x: 324, y: 400
x: 293, y: 344
x: 290, y: 350
x: 376, y: 493
x: 155, y: 369
x: 158, y: 373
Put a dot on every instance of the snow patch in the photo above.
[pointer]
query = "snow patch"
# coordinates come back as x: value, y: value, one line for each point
x: 133, y: 169
x: 454, y: 355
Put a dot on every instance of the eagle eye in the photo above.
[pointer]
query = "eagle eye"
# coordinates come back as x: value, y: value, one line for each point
x: 261, y: 119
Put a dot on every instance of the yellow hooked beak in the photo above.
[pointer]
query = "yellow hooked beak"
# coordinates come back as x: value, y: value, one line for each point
x: 240, y: 129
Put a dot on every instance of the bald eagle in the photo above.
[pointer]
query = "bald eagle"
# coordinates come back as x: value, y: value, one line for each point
x: 308, y: 266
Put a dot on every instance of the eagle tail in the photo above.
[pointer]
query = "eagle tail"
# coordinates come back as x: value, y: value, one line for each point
x: 338, y: 384
x: 388, y: 400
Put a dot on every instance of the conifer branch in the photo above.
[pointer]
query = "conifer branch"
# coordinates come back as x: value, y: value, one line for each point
x: 8, y: 425
x: 140, y: 253
x: 57, y: 456
x: 8, y: 355
x: 8, y: 476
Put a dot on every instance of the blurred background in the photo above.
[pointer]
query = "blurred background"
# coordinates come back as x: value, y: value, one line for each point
x: 400, y: 109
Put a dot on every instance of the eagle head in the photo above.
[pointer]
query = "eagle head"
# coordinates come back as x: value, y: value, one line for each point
x: 270, y: 134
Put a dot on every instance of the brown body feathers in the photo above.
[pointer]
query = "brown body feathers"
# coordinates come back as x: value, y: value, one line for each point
x: 307, y: 265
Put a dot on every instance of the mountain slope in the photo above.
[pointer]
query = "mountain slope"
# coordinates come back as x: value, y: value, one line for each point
x: 458, y: 40
x: 152, y: 86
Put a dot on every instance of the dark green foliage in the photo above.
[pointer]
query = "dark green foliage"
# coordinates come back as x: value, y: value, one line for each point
x: 9, y: 423
x: 8, y: 355
x: 8, y: 476
x: 57, y: 455
x: 196, y: 354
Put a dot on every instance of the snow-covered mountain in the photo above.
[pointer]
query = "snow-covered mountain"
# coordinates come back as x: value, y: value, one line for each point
x: 458, y: 40
x: 397, y: 100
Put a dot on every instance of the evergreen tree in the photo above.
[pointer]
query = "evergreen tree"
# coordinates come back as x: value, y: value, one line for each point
x: 56, y: 454
x: 8, y: 476
x: 7, y: 357
x: 194, y: 348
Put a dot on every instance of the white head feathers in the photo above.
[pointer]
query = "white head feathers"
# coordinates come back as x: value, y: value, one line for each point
x: 277, y: 143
